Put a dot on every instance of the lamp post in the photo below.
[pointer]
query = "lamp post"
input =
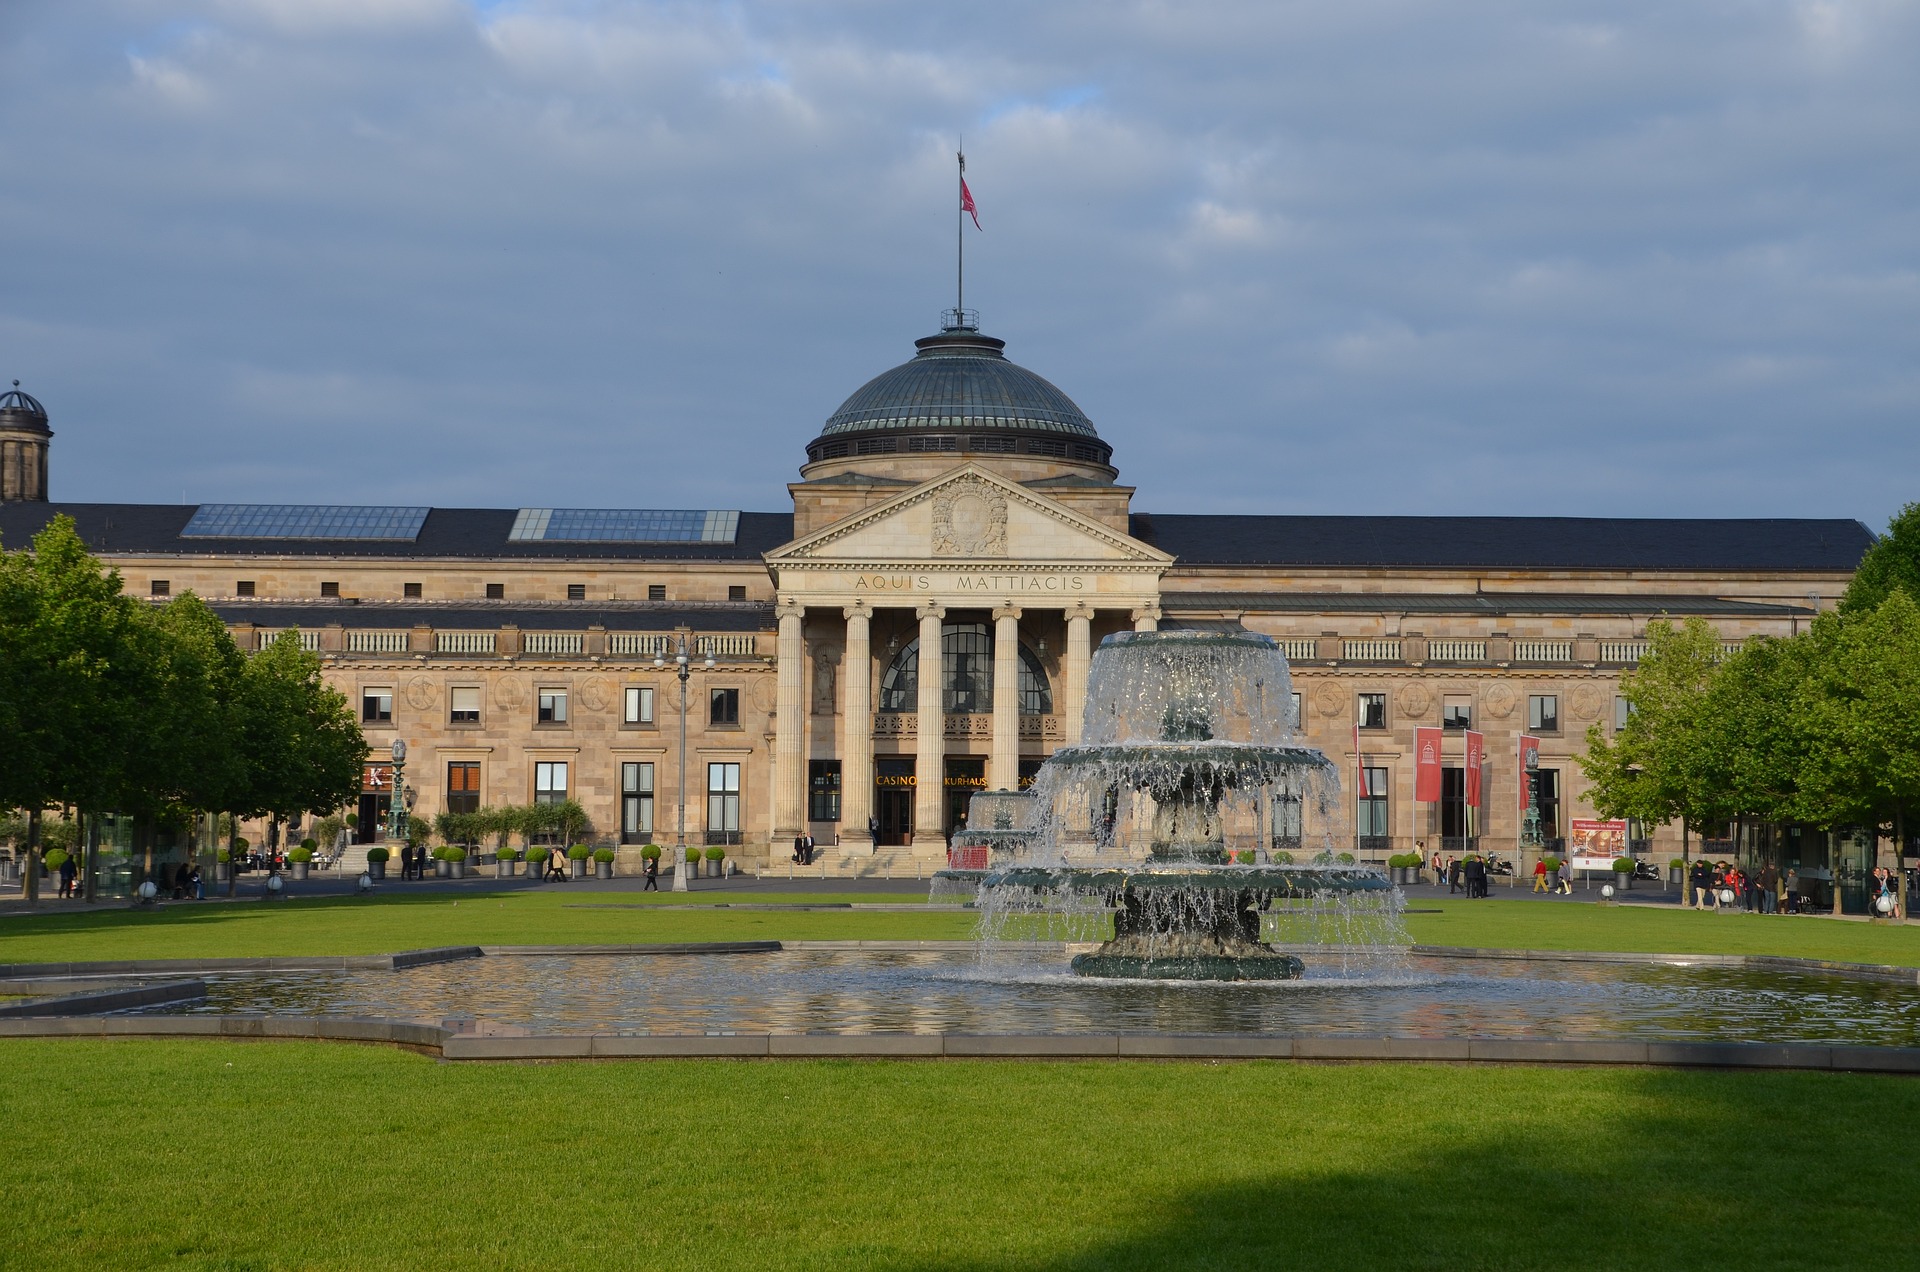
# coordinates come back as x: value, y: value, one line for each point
x: 682, y: 668
x: 397, y: 799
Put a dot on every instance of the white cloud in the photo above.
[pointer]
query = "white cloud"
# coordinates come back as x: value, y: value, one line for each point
x: 556, y: 246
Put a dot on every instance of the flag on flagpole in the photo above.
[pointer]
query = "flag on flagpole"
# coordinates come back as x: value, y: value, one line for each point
x: 966, y: 201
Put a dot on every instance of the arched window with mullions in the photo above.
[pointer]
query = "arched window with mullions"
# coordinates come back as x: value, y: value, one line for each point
x: 967, y: 681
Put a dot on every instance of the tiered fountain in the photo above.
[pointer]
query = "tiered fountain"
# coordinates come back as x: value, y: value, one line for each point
x: 1165, y: 816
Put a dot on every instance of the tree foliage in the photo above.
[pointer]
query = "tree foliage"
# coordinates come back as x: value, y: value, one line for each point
x: 109, y: 703
x: 1892, y: 563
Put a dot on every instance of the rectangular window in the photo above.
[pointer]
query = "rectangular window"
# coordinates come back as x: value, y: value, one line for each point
x: 723, y: 707
x: 496, y: 591
x: 1373, y: 711
x: 243, y: 588
x: 552, y: 707
x: 1286, y: 823
x: 1374, y: 825
x: 639, y: 705
x: 576, y: 591
x: 1456, y: 827
x: 656, y: 591
x: 463, y: 786
x: 1295, y: 708
x: 1621, y: 710
x: 411, y: 591
x: 1543, y: 713
x: 159, y: 587
x: 823, y: 790
x: 1456, y: 713
x: 723, y: 803
x: 736, y: 593
x: 376, y: 706
x: 329, y: 589
x: 550, y: 781
x: 636, y: 803
x: 464, y: 701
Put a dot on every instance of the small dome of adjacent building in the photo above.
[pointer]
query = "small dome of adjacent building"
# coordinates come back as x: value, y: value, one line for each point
x: 20, y: 409
x: 959, y: 394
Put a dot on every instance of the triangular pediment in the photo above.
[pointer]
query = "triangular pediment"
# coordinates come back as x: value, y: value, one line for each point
x: 968, y: 516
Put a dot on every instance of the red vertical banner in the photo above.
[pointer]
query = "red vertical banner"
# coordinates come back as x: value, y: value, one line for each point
x: 1476, y: 758
x: 1426, y: 765
x: 1529, y: 759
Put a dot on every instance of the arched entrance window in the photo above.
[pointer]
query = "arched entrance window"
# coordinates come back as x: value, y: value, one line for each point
x: 967, y: 680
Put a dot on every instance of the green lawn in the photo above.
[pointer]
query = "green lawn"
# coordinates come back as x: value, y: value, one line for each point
x: 280, y: 1155
x: 388, y: 922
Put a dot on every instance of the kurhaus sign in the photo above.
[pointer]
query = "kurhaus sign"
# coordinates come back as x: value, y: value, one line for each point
x: 985, y: 584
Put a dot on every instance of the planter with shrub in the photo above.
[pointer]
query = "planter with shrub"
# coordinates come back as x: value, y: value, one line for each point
x: 442, y: 867
x: 503, y: 862
x: 455, y: 860
x: 1622, y: 873
x: 1405, y: 867
x: 1244, y: 856
x: 716, y: 861
x: 603, y: 863
x: 577, y: 861
x: 377, y: 862
x: 301, y: 859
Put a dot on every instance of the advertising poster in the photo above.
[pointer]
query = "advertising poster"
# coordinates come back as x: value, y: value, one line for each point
x: 1592, y: 845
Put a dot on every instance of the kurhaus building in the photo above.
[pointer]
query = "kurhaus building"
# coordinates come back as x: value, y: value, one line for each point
x: 958, y: 502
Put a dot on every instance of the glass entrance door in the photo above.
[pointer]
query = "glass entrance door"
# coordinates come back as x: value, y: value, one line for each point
x: 965, y: 775
x: 893, y: 787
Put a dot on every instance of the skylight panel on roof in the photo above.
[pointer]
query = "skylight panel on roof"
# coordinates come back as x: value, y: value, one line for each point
x: 623, y: 525
x: 303, y: 521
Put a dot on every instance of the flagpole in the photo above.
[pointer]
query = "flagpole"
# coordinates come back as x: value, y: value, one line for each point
x: 960, y: 236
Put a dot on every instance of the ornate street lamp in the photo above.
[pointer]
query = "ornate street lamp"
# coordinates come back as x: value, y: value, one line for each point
x: 683, y: 670
x: 397, y: 798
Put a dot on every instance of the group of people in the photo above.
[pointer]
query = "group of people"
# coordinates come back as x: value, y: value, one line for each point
x: 803, y: 849
x: 1555, y: 882
x: 1469, y: 874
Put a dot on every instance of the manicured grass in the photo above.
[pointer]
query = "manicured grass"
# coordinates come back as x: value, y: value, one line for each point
x: 387, y: 923
x: 266, y: 1155
x: 1546, y: 925
x: 354, y: 925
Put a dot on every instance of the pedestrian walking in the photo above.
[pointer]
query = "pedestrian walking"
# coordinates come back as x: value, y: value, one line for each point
x: 1563, y: 877
x: 1453, y: 875
x: 1700, y: 880
x: 651, y: 869
x: 1540, y: 876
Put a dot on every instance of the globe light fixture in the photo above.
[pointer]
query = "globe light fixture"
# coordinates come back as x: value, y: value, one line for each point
x: 148, y: 892
x: 275, y: 883
x: 1606, y: 890
x: 366, y: 883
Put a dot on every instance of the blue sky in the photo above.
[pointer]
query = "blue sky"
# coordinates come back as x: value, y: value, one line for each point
x: 1359, y: 257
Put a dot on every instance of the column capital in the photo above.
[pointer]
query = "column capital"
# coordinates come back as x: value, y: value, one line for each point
x: 859, y: 609
x: 1005, y: 611
x: 1080, y: 610
x: 1141, y: 612
x: 930, y: 610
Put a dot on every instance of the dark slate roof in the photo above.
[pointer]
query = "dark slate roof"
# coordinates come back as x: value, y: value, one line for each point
x: 959, y: 380
x: 1488, y: 603
x: 1536, y: 543
x: 716, y: 616
x: 448, y: 532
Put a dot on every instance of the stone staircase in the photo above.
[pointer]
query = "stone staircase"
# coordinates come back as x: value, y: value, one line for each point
x: 842, y: 863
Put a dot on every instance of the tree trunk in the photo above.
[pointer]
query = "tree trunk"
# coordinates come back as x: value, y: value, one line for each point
x: 88, y: 852
x: 233, y: 853
x: 1899, y: 862
x: 1686, y: 866
x: 31, y: 888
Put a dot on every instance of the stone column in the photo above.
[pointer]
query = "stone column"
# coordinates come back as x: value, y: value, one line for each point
x: 930, y: 750
x: 1003, y: 760
x: 856, y: 733
x: 789, y: 726
x: 1146, y: 618
x: 1073, y: 687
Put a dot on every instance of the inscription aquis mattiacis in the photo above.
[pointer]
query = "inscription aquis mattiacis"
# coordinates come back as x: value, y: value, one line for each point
x: 983, y: 584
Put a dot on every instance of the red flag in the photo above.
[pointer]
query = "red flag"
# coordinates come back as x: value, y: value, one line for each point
x: 966, y: 203
x: 1426, y: 765
x: 1360, y: 763
x: 1529, y: 759
x: 1476, y: 757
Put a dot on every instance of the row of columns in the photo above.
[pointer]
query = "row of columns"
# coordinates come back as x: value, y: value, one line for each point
x: 856, y: 716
